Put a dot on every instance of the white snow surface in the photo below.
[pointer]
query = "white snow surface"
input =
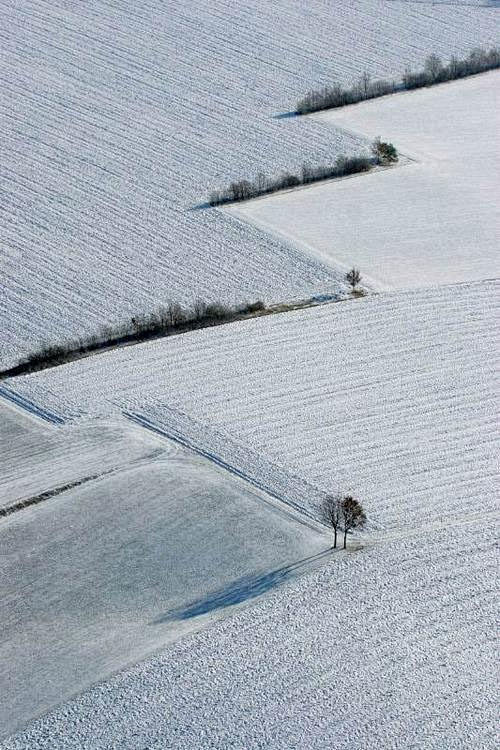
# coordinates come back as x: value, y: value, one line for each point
x: 36, y: 458
x: 388, y: 647
x: 430, y: 221
x: 103, y: 574
x: 118, y: 118
x: 392, y: 397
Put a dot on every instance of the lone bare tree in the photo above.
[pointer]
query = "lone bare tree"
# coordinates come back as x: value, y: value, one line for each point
x: 331, y: 512
x: 353, y: 277
x: 352, y: 515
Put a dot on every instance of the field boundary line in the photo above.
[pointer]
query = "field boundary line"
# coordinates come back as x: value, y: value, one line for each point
x: 24, y: 403
x: 288, y: 506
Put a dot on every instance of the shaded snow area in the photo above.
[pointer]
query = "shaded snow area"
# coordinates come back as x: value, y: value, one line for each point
x: 387, y: 647
x: 103, y: 574
x: 36, y: 458
x: 119, y: 118
x: 431, y: 221
x: 391, y: 397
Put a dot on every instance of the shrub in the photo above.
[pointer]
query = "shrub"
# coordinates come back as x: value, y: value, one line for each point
x: 342, y: 166
x: 384, y: 153
x: 353, y: 277
x: 164, y: 321
x: 254, y: 307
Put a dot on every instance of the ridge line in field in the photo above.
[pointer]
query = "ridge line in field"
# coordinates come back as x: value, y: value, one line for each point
x: 286, y: 506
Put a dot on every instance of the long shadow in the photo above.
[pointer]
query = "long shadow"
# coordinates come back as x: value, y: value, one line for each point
x: 285, y: 115
x: 200, y: 206
x: 247, y: 587
x: 240, y: 590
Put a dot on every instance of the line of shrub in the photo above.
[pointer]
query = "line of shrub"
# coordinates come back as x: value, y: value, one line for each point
x: 165, y: 321
x: 9, y: 509
x: 434, y: 71
x: 244, y: 189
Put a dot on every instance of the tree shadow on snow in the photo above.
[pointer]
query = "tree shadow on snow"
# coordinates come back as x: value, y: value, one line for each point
x: 247, y: 587
x: 240, y: 590
x: 285, y: 115
x: 200, y: 206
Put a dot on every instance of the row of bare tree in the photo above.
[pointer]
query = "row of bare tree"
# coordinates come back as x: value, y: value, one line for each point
x: 434, y: 71
x: 383, y: 154
x: 243, y: 190
x: 165, y: 320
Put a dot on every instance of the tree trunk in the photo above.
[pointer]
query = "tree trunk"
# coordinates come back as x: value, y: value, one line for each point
x: 345, y: 539
x: 334, y: 538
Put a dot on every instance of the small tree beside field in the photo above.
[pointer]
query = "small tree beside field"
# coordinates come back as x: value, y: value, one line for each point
x: 342, y: 513
x: 332, y: 514
x: 353, y: 516
x: 353, y: 277
x: 384, y: 153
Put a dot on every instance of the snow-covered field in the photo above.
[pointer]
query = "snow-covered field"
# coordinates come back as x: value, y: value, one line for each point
x: 392, y: 397
x: 202, y: 457
x: 118, y: 118
x: 108, y: 572
x: 390, y: 647
x: 36, y: 458
x: 433, y: 221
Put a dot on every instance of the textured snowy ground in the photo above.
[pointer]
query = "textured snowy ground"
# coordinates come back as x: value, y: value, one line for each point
x: 430, y: 222
x: 392, y: 397
x: 118, y: 118
x: 388, y: 647
x: 37, y: 457
x: 104, y: 574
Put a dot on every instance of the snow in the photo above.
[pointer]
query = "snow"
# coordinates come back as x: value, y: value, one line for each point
x: 119, y: 118
x: 202, y: 458
x: 391, y: 397
x: 434, y: 220
x: 387, y: 647
x: 37, y: 458
x: 110, y: 571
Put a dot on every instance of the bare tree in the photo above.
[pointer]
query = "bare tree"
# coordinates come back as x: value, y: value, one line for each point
x: 199, y: 309
x: 433, y: 68
x: 434, y: 71
x: 352, y: 515
x: 364, y: 85
x: 175, y: 314
x: 331, y: 512
x: 353, y: 277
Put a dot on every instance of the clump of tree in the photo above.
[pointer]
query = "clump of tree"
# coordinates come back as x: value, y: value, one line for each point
x: 244, y: 189
x: 434, y: 71
x: 166, y: 320
x: 343, y: 514
x: 384, y: 153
